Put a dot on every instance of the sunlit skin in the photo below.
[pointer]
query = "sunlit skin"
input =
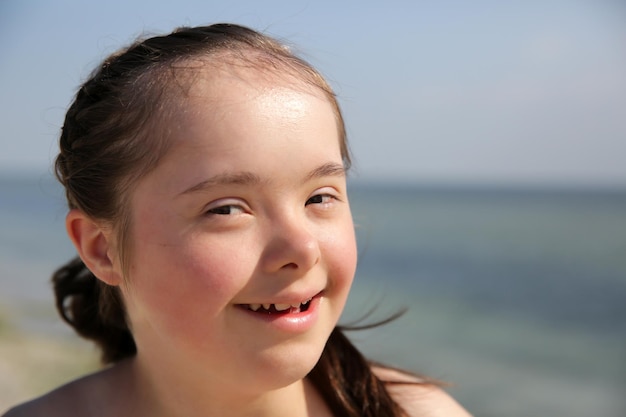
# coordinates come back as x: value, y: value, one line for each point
x: 249, y: 206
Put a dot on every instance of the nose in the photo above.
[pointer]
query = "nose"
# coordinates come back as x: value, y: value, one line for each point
x: 291, y: 246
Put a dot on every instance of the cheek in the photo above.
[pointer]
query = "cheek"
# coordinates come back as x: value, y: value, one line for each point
x: 196, y: 277
x: 342, y: 256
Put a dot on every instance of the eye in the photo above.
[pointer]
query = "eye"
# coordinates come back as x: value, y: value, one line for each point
x: 225, y: 210
x: 320, y: 199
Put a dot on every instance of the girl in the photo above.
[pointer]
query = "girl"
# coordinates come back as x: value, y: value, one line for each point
x: 205, y: 173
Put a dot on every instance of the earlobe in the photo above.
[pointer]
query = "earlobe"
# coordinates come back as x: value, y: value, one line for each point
x: 93, y: 243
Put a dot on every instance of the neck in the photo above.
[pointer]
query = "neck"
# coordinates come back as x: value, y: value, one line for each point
x: 167, y: 392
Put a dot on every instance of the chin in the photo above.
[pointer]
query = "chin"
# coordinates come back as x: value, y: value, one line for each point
x: 283, y: 366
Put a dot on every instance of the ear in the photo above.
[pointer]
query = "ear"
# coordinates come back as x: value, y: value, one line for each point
x: 95, y: 245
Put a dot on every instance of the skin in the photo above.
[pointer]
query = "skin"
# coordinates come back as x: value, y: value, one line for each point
x: 249, y: 206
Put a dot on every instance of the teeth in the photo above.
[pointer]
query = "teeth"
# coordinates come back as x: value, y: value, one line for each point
x: 278, y: 307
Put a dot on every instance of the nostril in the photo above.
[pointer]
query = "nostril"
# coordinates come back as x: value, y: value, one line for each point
x: 290, y: 249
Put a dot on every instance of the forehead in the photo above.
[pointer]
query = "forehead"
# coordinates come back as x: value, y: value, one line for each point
x: 242, y: 122
x: 210, y: 89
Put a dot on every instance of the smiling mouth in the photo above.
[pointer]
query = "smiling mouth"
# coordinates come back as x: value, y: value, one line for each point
x: 278, y: 308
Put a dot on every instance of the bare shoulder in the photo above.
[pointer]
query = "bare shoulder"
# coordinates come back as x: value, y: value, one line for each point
x: 417, y: 397
x: 34, y: 408
x: 52, y: 404
x: 426, y: 400
x: 83, y: 397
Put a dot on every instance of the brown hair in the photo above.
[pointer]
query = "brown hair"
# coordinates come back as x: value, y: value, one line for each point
x: 111, y: 138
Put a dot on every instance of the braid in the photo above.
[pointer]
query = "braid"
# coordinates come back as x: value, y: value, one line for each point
x: 93, y: 309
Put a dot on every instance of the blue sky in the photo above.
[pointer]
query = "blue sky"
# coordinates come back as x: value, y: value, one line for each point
x: 486, y: 92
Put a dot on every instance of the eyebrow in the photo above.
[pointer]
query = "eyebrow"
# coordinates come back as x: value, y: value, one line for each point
x: 238, y: 178
x: 330, y: 169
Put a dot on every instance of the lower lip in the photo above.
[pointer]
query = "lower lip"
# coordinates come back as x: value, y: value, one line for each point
x: 291, y: 322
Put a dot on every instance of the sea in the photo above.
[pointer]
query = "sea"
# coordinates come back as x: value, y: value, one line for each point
x: 514, y: 297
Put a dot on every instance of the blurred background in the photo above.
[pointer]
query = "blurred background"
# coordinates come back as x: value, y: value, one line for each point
x: 489, y: 187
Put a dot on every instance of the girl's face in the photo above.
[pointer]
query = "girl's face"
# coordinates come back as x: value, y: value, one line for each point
x: 243, y: 247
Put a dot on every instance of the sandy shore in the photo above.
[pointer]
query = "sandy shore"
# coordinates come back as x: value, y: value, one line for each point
x: 32, y: 364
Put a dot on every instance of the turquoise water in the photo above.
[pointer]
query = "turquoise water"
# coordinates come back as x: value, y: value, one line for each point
x: 517, y: 298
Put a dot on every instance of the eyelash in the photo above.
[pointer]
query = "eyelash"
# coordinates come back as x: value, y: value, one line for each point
x: 221, y: 210
x: 227, y: 209
x: 322, y: 197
